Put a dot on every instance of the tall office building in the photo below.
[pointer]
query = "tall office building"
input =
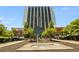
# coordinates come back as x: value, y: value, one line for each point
x: 39, y: 16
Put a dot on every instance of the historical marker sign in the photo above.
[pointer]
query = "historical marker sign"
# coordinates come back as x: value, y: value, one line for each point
x: 38, y: 30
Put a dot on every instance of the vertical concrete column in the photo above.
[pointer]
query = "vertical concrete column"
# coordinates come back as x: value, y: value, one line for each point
x: 37, y: 16
x: 52, y: 15
x: 39, y: 21
x: 44, y: 18
x: 25, y: 15
x: 30, y: 15
x: 33, y: 17
x: 47, y: 16
x: 28, y: 19
x: 41, y: 16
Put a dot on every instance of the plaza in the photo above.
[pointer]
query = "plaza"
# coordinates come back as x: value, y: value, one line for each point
x: 54, y: 46
x: 40, y: 33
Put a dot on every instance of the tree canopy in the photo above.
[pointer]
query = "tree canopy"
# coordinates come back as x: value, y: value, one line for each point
x: 72, y: 28
x: 49, y: 32
x: 2, y: 29
x: 29, y: 32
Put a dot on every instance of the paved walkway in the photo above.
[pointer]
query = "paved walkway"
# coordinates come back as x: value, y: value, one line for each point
x: 59, y: 46
x: 9, y: 43
x: 43, y: 46
x: 11, y: 46
x: 68, y: 41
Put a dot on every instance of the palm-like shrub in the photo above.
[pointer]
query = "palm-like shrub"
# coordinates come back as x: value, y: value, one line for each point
x: 50, y: 31
x: 72, y: 29
x: 29, y: 33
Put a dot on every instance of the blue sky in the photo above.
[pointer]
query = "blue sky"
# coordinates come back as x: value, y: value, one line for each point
x: 65, y: 14
x: 12, y: 16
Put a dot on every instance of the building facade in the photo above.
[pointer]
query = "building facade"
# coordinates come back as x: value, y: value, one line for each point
x: 39, y: 16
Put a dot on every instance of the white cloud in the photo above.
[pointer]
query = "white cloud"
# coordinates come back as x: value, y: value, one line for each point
x: 2, y: 18
x: 6, y: 20
x: 65, y: 8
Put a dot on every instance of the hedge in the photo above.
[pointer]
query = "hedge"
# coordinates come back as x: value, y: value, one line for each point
x: 8, y: 39
x: 4, y: 39
x: 70, y: 38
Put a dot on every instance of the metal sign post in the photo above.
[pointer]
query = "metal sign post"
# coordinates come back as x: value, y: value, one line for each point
x: 37, y: 39
x: 38, y: 30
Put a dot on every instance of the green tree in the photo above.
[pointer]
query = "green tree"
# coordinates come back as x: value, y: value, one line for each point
x: 26, y: 25
x: 73, y: 28
x: 50, y: 31
x: 51, y: 24
x: 8, y: 33
x: 2, y: 29
x: 14, y: 31
x: 29, y: 33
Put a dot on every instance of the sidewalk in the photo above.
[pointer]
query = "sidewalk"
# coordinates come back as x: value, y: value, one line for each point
x: 12, y: 46
x: 68, y: 41
x: 9, y: 43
